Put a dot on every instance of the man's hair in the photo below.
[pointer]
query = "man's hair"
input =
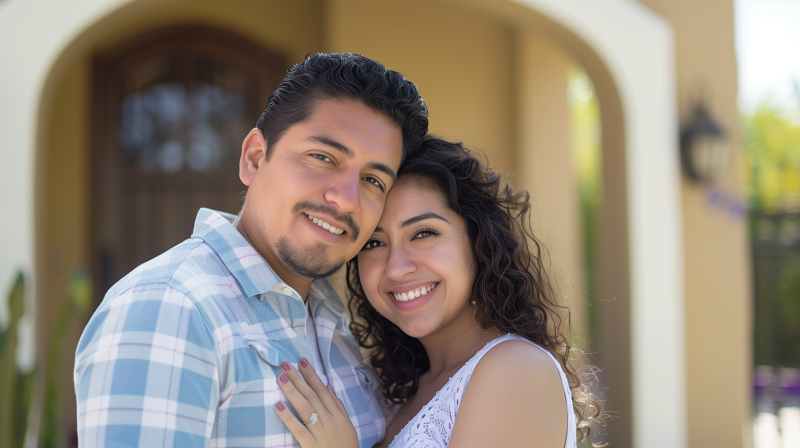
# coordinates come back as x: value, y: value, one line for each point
x: 348, y: 77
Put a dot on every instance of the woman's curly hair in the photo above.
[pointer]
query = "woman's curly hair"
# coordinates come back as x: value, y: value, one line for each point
x: 512, y: 290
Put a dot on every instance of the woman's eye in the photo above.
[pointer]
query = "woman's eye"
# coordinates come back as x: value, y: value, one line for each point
x: 322, y: 157
x: 374, y: 181
x: 372, y: 244
x: 425, y: 233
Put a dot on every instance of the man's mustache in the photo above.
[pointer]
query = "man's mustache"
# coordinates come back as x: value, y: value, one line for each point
x: 306, y: 206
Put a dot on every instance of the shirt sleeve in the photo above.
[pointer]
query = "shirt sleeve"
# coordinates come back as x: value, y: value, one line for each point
x: 146, y: 372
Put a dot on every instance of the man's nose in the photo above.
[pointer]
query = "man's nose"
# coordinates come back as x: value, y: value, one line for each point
x: 345, y: 193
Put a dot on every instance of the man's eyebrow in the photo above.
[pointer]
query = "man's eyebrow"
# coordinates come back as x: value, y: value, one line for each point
x: 327, y: 141
x: 422, y: 217
x: 384, y: 169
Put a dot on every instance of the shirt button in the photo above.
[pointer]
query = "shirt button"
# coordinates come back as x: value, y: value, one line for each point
x: 287, y: 291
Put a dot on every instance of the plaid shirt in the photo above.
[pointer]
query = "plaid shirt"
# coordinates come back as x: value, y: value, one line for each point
x: 184, y: 351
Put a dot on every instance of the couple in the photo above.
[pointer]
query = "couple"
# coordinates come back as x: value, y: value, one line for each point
x: 235, y: 337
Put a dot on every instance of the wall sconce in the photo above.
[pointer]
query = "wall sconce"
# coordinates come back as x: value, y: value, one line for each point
x: 703, y: 148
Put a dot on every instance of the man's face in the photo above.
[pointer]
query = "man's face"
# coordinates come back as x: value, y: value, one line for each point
x: 313, y: 205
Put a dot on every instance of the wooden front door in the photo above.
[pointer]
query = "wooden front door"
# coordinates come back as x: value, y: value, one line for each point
x: 172, y: 107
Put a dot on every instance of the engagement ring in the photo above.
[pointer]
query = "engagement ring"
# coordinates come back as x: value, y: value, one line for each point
x: 312, y: 419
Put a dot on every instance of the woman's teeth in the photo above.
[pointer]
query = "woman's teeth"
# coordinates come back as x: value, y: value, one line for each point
x: 411, y: 295
x: 326, y: 226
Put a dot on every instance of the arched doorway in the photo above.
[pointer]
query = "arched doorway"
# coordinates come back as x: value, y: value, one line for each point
x: 171, y: 107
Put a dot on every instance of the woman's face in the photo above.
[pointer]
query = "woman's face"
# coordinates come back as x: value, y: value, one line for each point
x: 417, y: 268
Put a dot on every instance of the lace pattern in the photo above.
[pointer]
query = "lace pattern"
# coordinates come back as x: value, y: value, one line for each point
x: 432, y: 427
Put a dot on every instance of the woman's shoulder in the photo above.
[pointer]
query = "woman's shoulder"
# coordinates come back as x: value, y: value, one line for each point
x: 518, y: 387
x: 515, y: 357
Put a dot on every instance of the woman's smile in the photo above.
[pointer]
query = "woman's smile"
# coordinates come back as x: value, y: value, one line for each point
x: 413, y: 293
x: 414, y: 298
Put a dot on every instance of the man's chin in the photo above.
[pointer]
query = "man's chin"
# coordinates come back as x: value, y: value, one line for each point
x: 309, y: 263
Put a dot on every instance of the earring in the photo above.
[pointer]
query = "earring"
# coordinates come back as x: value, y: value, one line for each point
x: 473, y: 302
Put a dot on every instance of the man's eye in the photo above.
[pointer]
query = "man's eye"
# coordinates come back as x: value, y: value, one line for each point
x: 322, y: 157
x: 372, y: 244
x: 375, y: 182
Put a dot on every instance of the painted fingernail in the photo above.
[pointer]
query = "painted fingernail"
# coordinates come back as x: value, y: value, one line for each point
x: 280, y: 406
x: 285, y: 366
x: 304, y: 362
x: 284, y: 379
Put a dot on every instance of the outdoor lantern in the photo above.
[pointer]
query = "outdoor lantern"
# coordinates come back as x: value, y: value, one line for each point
x: 703, y: 148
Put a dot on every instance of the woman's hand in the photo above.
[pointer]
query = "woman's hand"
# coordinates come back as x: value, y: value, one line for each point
x: 332, y: 428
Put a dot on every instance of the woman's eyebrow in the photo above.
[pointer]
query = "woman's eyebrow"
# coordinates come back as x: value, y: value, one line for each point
x: 422, y: 217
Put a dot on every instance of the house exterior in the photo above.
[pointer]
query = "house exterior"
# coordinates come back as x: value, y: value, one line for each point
x: 672, y: 328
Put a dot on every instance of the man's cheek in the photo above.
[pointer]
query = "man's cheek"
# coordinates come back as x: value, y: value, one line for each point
x: 372, y: 214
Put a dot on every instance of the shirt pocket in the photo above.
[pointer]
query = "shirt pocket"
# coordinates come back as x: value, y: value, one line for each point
x: 265, y: 352
x: 366, y: 377
x: 370, y: 387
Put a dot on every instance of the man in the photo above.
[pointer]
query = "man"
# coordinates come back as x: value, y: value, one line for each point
x: 186, y: 349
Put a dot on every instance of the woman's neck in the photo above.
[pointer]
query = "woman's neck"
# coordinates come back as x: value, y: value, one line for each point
x: 452, y: 346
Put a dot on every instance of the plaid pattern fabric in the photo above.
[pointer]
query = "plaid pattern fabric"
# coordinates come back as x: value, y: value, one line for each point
x: 185, y: 350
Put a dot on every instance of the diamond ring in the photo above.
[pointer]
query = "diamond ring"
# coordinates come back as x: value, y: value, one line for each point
x: 312, y: 419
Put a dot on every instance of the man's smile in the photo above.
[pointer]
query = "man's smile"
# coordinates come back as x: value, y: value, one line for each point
x: 334, y: 230
x: 329, y: 219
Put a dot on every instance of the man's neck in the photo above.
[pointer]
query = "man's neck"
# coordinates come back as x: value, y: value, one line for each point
x: 298, y: 283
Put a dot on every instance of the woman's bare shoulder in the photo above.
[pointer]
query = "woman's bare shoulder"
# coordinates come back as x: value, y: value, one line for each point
x: 514, y: 398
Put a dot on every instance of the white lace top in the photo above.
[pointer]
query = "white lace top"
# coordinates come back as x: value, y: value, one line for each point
x: 433, y: 425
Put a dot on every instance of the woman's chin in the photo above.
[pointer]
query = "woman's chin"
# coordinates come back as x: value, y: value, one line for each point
x: 416, y: 329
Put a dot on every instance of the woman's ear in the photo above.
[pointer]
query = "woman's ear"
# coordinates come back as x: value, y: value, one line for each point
x: 254, y: 150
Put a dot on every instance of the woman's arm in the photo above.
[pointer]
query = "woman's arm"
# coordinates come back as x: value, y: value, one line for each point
x: 513, y: 399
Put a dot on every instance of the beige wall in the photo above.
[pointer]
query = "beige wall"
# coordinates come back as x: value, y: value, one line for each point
x: 63, y: 244
x: 717, y: 265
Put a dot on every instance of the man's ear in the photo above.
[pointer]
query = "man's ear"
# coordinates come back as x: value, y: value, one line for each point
x: 254, y: 151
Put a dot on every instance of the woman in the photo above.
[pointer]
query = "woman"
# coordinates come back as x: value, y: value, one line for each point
x: 460, y: 318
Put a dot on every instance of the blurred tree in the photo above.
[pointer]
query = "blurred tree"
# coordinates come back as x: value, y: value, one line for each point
x: 772, y: 179
x: 772, y: 158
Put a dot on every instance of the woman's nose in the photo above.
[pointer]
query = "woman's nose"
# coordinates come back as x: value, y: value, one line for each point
x: 400, y: 263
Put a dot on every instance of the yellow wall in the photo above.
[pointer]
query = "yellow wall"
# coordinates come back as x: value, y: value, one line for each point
x: 63, y: 245
x: 717, y: 259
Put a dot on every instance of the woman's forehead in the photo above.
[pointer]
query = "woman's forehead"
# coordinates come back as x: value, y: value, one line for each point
x: 412, y: 196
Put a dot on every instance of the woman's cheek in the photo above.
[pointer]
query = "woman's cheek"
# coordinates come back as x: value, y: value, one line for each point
x: 370, y: 280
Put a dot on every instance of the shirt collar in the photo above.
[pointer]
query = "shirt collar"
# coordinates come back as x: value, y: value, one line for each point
x: 249, y: 268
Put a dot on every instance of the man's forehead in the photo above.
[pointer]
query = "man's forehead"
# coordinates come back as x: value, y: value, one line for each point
x: 354, y: 130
